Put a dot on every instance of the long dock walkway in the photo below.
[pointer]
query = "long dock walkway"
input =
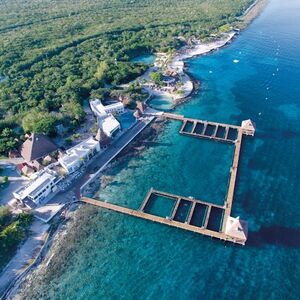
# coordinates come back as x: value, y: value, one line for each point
x: 218, y: 132
x: 233, y: 175
x: 187, y: 211
x: 165, y: 221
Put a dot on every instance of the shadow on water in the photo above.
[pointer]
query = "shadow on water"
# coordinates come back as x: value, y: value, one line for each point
x: 275, y: 235
x: 273, y: 133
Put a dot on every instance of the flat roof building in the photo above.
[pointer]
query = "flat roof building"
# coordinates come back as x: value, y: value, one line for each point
x: 76, y: 156
x: 38, y: 189
x: 105, y: 116
x: 101, y: 110
x: 110, y: 125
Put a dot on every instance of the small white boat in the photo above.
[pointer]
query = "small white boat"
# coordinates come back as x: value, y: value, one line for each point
x: 236, y: 61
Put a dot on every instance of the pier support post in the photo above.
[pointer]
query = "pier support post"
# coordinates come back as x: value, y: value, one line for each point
x: 215, y: 132
x: 226, y: 132
x: 175, y: 209
x: 143, y: 205
x: 207, y: 216
x: 191, y: 212
x: 204, y: 128
x: 183, y: 125
x: 194, y: 126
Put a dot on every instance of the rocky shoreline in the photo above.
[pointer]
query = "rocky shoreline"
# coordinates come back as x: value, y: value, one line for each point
x: 60, y: 243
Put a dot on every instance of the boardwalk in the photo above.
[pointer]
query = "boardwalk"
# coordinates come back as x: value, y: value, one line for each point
x: 209, y: 130
x: 198, y: 129
x: 233, y: 175
x: 165, y: 221
x: 191, y: 214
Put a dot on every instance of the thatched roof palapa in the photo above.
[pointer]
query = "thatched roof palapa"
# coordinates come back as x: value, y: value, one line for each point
x: 37, y: 146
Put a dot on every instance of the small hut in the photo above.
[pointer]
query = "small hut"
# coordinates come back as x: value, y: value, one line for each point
x: 137, y: 114
x: 102, y: 138
x: 141, y: 106
x: 236, y: 228
x: 248, y: 127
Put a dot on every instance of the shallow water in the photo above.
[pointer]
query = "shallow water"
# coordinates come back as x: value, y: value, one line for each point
x: 146, y: 59
x: 129, y: 258
x: 163, y: 103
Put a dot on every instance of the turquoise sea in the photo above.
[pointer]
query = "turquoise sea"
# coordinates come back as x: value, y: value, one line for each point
x: 122, y: 257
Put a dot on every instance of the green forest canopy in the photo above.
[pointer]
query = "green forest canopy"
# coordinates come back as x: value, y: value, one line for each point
x: 55, y: 53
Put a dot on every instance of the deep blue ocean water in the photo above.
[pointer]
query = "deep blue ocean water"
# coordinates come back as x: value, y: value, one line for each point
x: 129, y: 258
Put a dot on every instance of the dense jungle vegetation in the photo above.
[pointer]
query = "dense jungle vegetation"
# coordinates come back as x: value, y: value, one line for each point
x: 55, y: 53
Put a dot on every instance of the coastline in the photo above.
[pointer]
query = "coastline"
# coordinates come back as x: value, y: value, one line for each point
x: 78, y: 216
x: 178, y: 64
x: 199, y: 49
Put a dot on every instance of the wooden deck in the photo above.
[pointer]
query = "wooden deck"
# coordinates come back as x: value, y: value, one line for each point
x: 191, y: 131
x: 233, y: 175
x: 194, y: 124
x: 165, y: 221
x: 207, y: 130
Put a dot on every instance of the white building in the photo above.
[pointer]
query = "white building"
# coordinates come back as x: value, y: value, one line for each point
x: 76, y: 156
x: 105, y: 116
x: 38, y: 189
x: 101, y: 110
x: 110, y: 125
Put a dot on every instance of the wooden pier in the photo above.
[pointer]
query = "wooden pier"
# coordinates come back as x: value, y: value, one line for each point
x: 230, y: 229
x: 191, y: 127
x: 233, y: 175
x: 161, y: 220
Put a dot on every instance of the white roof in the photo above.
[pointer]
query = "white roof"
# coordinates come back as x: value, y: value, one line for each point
x: 109, y: 124
x: 248, y: 124
x: 79, y: 151
x: 98, y: 107
x: 84, y: 146
x: 236, y: 228
x: 102, y: 110
x: 42, y: 180
x: 116, y: 105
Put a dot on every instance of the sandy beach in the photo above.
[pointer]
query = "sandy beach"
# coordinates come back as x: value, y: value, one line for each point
x: 177, y: 64
x: 180, y: 56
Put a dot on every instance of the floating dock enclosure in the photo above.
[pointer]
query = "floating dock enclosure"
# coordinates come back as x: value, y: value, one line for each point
x: 191, y: 214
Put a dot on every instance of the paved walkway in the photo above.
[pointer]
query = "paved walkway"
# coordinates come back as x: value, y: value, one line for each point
x: 15, y: 182
x: 23, y: 256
